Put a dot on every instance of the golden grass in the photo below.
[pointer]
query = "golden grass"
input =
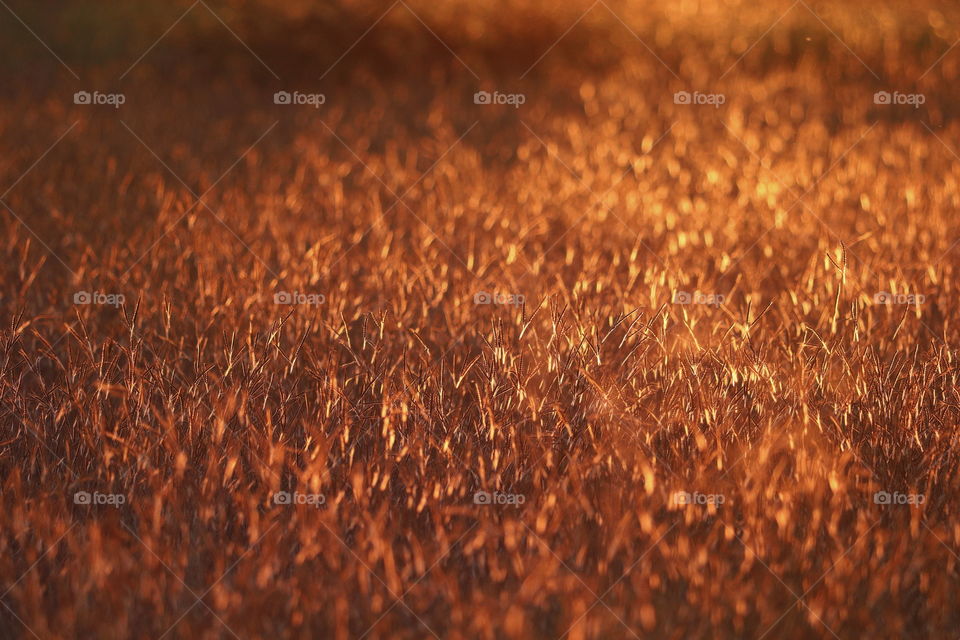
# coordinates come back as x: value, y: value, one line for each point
x: 796, y: 396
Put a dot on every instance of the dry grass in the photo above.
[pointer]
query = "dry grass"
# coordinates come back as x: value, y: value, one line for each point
x: 597, y: 399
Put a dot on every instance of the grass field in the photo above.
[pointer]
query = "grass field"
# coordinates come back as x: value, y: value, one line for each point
x: 610, y: 320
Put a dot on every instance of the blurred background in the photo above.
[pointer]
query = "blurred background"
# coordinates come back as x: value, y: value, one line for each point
x: 303, y: 39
